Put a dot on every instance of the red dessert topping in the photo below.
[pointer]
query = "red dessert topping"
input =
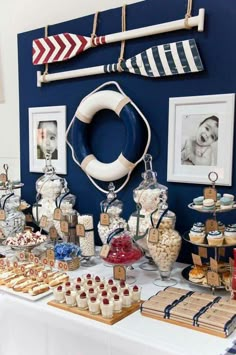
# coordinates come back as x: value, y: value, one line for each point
x: 104, y: 293
x: 116, y: 297
x: 110, y: 282
x: 68, y: 293
x: 101, y: 286
x: 93, y: 299
x: 79, y: 279
x: 59, y: 288
x: 126, y: 292
x: 105, y: 301
x: 97, y: 279
x: 122, y: 283
x: 114, y: 289
x: 78, y: 287
x: 91, y: 290
x: 89, y: 282
x: 88, y: 276
x: 68, y: 284
x: 135, y: 288
x: 83, y: 295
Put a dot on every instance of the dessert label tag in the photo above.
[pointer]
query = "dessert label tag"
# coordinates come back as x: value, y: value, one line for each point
x: 22, y: 255
x: 43, y: 222
x: 60, y: 265
x: 213, y: 265
x: 211, y: 225
x: 53, y: 233
x: 50, y: 254
x: 2, y: 215
x: 105, y: 251
x: 104, y: 219
x: 31, y: 272
x: 57, y: 215
x: 119, y: 272
x: 210, y: 192
x: 31, y: 257
x: 202, y: 252
x: 153, y: 235
x: 196, y: 259
x: 36, y: 260
x: 22, y: 268
x: 15, y: 264
x: 80, y: 230
x: 52, y: 263
x: 213, y: 278
x: 221, y: 251
x: 3, y: 177
x: 45, y: 261
x: 28, y: 217
x: 64, y: 227
x: 45, y: 275
x: 231, y: 262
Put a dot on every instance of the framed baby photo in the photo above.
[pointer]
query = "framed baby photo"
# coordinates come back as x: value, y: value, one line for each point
x: 47, y: 127
x: 200, y: 138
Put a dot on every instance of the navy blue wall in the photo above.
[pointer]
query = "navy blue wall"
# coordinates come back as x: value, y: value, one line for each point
x: 217, y: 48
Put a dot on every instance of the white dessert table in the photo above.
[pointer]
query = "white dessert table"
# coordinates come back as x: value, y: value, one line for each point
x: 34, y: 328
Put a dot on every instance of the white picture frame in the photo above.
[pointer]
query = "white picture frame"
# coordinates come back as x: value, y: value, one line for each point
x: 189, y: 161
x: 47, y: 127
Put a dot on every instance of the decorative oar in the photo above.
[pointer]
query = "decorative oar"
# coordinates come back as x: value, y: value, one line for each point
x: 67, y: 45
x: 163, y: 60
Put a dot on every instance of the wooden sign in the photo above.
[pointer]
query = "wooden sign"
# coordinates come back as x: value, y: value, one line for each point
x: 119, y: 272
x: 43, y: 222
x: 3, y: 178
x: 57, y: 215
x: 104, y: 219
x: 50, y: 254
x: 202, y: 252
x: 80, y: 230
x: 60, y: 265
x: 22, y: 255
x: 221, y: 251
x: 31, y: 272
x: 213, y: 279
x: 196, y: 259
x: 15, y: 264
x: 2, y: 215
x: 153, y: 235
x: 65, y: 267
x: 53, y: 232
x: 45, y: 261
x: 211, y: 225
x: 28, y: 217
x: 36, y: 260
x: 64, y: 227
x: 210, y: 192
x: 105, y: 251
x: 22, y: 268
x: 213, y: 265
x: 45, y: 275
x: 51, y: 263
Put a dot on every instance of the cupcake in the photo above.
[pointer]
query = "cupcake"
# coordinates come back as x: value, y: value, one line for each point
x: 197, y: 202
x: 208, y: 204
x: 197, y: 235
x: 230, y: 234
x: 226, y: 202
x: 199, y: 225
x: 215, y: 238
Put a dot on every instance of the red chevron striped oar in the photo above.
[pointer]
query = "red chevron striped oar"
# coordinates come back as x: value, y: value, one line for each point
x: 64, y: 46
x: 163, y: 60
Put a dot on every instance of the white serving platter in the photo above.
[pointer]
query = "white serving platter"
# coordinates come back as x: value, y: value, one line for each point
x: 25, y: 296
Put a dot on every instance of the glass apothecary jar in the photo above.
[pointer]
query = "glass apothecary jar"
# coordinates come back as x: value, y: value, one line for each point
x: 48, y: 187
x: 13, y: 220
x: 113, y: 208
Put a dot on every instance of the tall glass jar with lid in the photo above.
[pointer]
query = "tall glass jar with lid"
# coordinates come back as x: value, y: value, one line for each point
x: 49, y: 187
x: 112, y: 208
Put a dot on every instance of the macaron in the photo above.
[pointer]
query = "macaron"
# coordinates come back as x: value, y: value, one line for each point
x: 208, y: 204
x: 230, y: 196
x: 198, y: 200
x: 226, y: 202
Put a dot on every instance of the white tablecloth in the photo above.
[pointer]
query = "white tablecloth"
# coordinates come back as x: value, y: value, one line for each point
x: 34, y: 328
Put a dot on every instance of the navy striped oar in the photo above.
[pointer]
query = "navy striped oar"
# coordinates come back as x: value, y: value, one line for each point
x: 63, y: 46
x: 163, y: 60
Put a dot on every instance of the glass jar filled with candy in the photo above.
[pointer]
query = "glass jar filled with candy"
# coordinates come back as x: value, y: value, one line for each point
x: 12, y: 220
x: 111, y: 209
x: 49, y: 187
x: 148, y: 196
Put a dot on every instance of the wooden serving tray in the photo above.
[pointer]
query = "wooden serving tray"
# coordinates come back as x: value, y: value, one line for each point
x: 186, y: 325
x: 98, y: 317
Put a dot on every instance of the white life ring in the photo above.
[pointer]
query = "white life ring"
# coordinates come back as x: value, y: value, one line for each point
x: 121, y: 105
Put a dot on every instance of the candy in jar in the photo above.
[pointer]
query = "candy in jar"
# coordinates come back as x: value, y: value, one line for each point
x: 87, y: 241
x: 14, y: 220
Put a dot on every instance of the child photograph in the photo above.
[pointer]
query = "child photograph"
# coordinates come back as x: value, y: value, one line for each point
x: 47, y: 139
